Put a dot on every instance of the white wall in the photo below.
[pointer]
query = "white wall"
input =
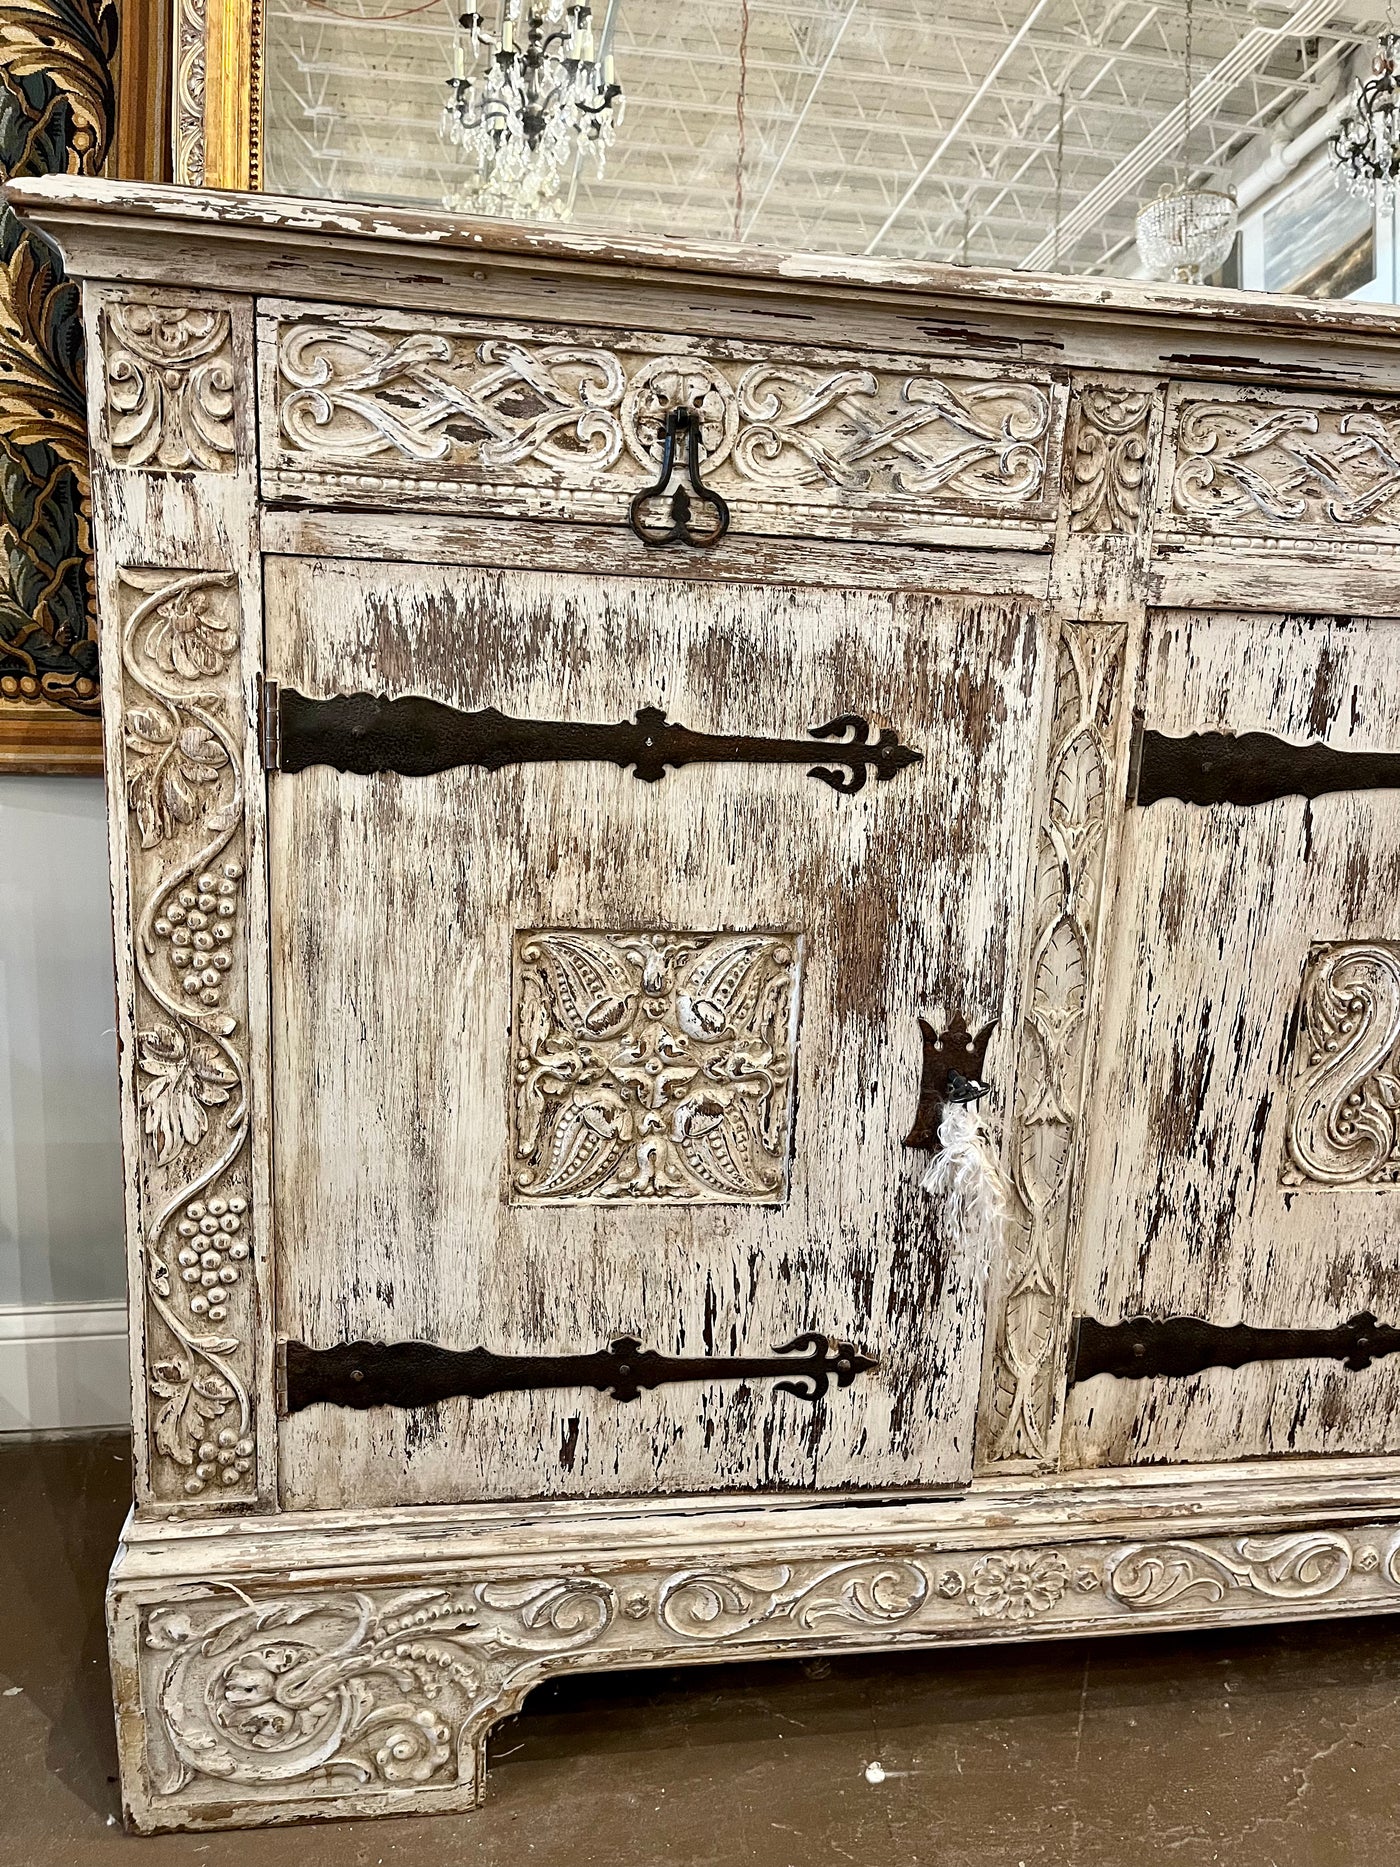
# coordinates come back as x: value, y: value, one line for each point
x: 61, y: 1264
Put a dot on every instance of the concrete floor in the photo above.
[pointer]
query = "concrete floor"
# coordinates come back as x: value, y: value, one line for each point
x: 1275, y: 1748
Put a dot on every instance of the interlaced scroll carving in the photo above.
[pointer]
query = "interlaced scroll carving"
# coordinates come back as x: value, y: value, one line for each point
x: 184, y: 785
x: 1071, y: 847
x: 584, y: 415
x: 169, y: 383
x: 1344, y: 1098
x: 1283, y: 466
x: 654, y: 1066
x: 799, y: 426
x: 1109, y: 458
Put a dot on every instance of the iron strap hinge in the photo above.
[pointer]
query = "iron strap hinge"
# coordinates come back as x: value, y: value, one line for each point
x: 269, y: 725
x: 421, y: 1374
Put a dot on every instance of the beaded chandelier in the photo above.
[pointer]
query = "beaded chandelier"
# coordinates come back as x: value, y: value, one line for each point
x: 1366, y: 147
x: 524, y: 104
x: 1186, y: 233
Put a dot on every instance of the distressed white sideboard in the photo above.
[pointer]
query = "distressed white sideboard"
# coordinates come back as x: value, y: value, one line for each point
x: 539, y: 945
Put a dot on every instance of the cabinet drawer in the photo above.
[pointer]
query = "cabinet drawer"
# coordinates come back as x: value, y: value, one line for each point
x: 547, y: 421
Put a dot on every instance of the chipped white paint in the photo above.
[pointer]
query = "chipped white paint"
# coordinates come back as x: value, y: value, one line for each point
x: 852, y: 1249
x: 568, y: 421
x: 994, y: 515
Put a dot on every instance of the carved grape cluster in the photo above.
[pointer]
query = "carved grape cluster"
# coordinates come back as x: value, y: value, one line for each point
x: 212, y: 1254
x: 225, y: 1458
x: 198, y: 923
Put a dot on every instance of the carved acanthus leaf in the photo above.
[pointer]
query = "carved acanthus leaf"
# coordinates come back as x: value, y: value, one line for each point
x: 169, y: 387
x: 1108, y: 461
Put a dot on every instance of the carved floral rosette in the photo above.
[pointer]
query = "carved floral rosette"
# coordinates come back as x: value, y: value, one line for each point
x: 1071, y: 849
x: 366, y: 408
x: 260, y: 1694
x: 185, y: 792
x: 653, y: 1066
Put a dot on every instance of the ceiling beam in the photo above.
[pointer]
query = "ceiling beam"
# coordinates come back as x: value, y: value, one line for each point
x: 1008, y: 52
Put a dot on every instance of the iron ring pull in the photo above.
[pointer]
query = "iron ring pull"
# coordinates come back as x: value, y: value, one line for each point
x: 682, y: 528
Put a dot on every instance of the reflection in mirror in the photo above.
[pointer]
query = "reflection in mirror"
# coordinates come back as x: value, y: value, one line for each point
x: 1028, y: 135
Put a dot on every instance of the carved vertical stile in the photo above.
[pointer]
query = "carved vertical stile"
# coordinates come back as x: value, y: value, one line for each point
x: 174, y: 518
x: 1113, y: 439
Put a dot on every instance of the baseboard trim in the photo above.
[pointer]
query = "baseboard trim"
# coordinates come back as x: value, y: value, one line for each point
x: 63, y: 1367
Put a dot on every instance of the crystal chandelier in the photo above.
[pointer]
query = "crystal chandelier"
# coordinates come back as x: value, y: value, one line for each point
x: 1187, y: 233
x: 533, y: 99
x: 1366, y: 147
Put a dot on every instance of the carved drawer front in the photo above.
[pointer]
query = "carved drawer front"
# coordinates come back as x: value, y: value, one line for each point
x: 1244, y: 1131
x: 569, y: 422
x: 1272, y: 463
x: 604, y: 915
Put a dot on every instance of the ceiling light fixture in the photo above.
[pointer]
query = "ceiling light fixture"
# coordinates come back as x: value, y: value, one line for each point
x: 525, y: 102
x: 1186, y: 233
x: 1366, y: 147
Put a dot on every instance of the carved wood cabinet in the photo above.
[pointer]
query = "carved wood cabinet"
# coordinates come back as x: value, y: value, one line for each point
x: 594, y: 733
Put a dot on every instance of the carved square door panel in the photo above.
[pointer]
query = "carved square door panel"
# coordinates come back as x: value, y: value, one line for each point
x: 603, y: 916
x: 1243, y: 1137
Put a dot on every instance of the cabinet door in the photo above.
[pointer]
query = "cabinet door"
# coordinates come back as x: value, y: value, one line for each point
x: 1243, y: 1161
x: 586, y: 1047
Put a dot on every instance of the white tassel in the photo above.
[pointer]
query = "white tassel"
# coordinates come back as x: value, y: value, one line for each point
x: 964, y: 1174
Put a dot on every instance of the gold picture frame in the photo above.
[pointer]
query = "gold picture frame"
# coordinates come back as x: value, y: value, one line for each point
x: 216, y: 101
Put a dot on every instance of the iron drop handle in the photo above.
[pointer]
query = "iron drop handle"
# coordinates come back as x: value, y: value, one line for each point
x: 684, y: 525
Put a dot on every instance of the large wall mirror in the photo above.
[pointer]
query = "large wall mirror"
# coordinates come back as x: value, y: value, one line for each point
x: 1029, y: 134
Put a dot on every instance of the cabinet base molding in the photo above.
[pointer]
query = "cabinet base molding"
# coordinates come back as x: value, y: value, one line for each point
x: 278, y: 1669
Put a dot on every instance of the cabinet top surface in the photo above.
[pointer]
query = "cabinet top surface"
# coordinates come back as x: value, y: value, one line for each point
x: 97, y: 222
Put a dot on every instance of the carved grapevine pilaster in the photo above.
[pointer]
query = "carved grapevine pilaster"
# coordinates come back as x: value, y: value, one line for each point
x: 184, y: 789
x: 169, y: 379
x: 1068, y: 877
x: 1343, y: 1125
x: 256, y: 1695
